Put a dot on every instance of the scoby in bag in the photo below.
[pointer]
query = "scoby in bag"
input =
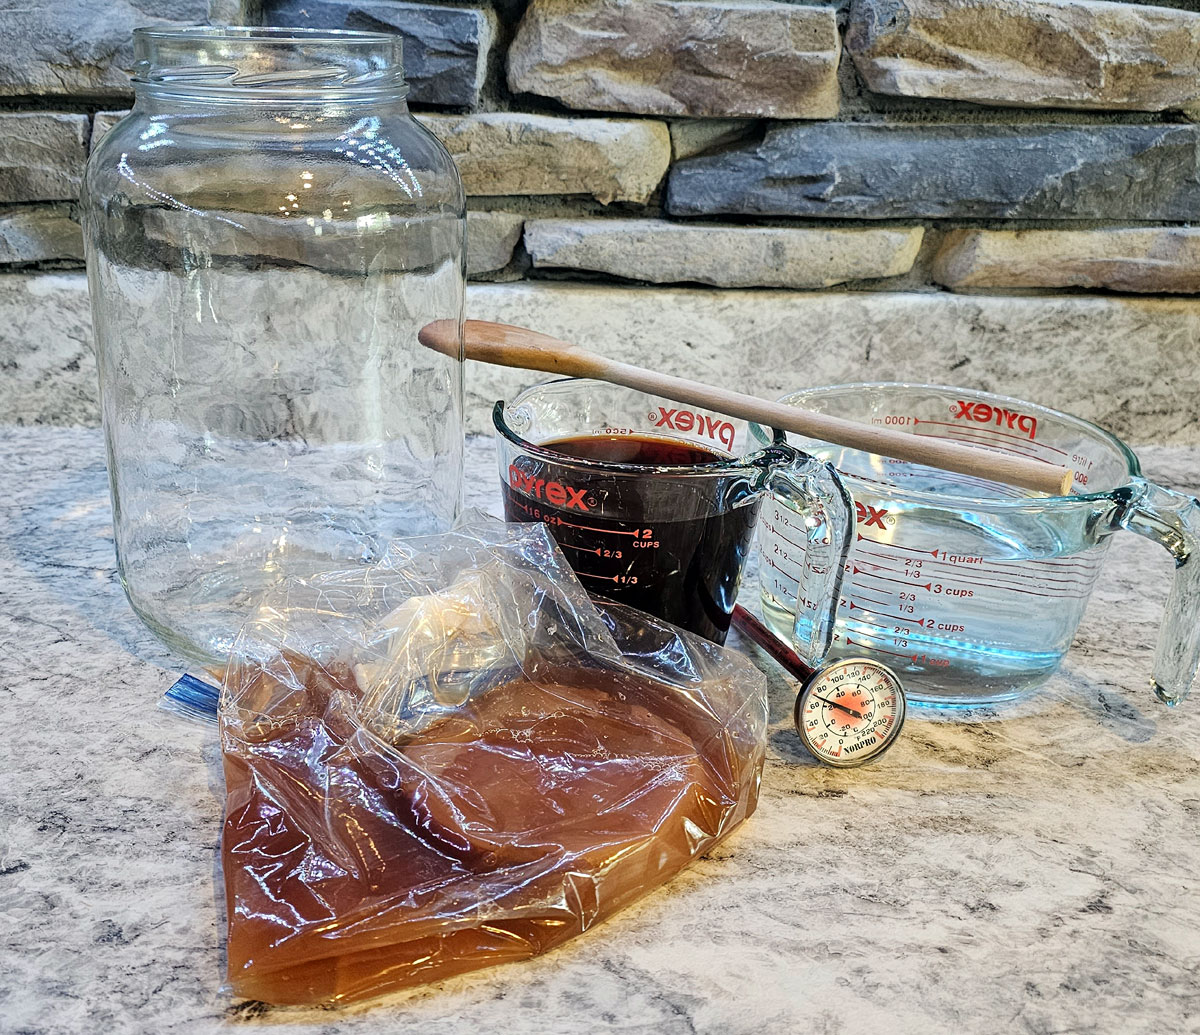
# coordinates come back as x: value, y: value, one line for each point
x: 453, y: 759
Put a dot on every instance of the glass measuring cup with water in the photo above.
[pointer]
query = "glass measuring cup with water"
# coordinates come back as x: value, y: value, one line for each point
x: 654, y: 504
x: 972, y: 590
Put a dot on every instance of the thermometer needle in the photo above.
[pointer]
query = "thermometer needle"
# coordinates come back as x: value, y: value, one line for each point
x: 842, y: 707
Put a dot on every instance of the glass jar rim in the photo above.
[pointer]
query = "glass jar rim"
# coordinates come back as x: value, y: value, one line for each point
x: 264, y: 32
x: 267, y: 62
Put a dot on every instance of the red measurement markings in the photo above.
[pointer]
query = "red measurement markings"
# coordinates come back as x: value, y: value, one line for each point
x: 774, y: 530
x: 859, y: 551
x: 905, y: 619
x: 603, y: 531
x: 778, y: 566
x: 884, y: 567
x: 865, y: 620
x: 961, y: 571
x: 583, y: 528
x: 995, y: 489
x: 606, y: 578
x: 995, y: 431
x: 836, y: 754
x: 1025, y: 570
x: 1000, y: 577
x: 864, y: 594
x: 1021, y: 447
x: 959, y: 582
x: 879, y: 650
x: 895, y: 546
x: 1084, y: 565
x: 1007, y: 449
x: 582, y: 549
x: 899, y: 582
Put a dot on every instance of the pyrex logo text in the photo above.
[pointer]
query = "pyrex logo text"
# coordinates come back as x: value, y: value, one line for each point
x: 868, y: 515
x: 986, y: 414
x: 555, y: 493
x: 685, y: 420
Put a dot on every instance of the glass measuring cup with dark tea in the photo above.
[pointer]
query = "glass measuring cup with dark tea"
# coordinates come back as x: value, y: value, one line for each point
x: 654, y: 504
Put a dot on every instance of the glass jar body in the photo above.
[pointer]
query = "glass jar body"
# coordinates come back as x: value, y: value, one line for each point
x: 259, y: 267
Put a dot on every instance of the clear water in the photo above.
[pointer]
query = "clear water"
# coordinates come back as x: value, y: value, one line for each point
x: 970, y: 603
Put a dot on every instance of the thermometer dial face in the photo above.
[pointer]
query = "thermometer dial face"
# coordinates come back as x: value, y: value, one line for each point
x: 850, y: 712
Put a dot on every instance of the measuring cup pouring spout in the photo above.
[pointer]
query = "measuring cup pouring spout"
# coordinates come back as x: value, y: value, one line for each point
x: 813, y: 490
x: 1172, y: 519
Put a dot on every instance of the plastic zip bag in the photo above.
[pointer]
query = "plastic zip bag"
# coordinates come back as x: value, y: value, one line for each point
x: 453, y: 759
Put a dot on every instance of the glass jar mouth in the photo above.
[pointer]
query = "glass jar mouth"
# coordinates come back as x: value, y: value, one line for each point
x: 252, y: 62
x: 267, y: 33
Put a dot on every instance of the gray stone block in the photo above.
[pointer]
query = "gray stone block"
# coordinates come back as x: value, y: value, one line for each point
x: 41, y: 155
x: 662, y: 252
x: 59, y: 47
x: 1031, y: 53
x: 445, y: 48
x: 39, y: 233
x: 234, y: 12
x: 502, y: 152
x: 674, y: 57
x: 1161, y: 259
x: 102, y: 122
x: 961, y: 170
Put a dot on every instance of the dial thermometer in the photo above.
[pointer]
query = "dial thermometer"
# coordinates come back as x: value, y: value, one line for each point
x: 847, y: 713
x: 850, y: 712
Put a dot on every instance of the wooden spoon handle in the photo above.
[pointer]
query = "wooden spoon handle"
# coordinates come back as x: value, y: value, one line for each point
x: 509, y: 346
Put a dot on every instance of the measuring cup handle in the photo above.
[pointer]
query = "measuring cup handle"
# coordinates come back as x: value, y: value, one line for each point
x: 1173, y: 519
x: 815, y: 489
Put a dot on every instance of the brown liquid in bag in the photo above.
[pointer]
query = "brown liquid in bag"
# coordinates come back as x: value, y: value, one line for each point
x: 353, y: 867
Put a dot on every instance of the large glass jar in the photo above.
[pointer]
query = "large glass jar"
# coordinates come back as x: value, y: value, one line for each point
x: 266, y: 233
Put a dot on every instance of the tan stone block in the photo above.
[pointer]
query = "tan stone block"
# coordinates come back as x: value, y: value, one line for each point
x: 763, y: 342
x: 672, y: 57
x: 42, y: 155
x: 1032, y: 53
x: 102, y: 122
x: 36, y: 233
x: 491, y: 238
x: 501, y: 153
x: 573, y: 155
x: 662, y: 252
x: 695, y: 136
x: 1152, y: 260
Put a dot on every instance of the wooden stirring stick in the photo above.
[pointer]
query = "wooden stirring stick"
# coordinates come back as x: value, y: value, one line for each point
x: 508, y: 346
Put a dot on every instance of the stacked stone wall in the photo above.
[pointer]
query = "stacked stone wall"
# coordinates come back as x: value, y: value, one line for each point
x: 840, y: 179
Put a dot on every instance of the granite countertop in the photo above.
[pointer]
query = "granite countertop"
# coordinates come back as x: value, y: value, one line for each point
x: 1037, y: 871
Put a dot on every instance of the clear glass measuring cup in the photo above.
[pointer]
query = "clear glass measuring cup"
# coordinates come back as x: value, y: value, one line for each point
x: 970, y: 589
x: 668, y: 534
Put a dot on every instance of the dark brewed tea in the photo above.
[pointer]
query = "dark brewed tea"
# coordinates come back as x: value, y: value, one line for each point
x: 671, y: 543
